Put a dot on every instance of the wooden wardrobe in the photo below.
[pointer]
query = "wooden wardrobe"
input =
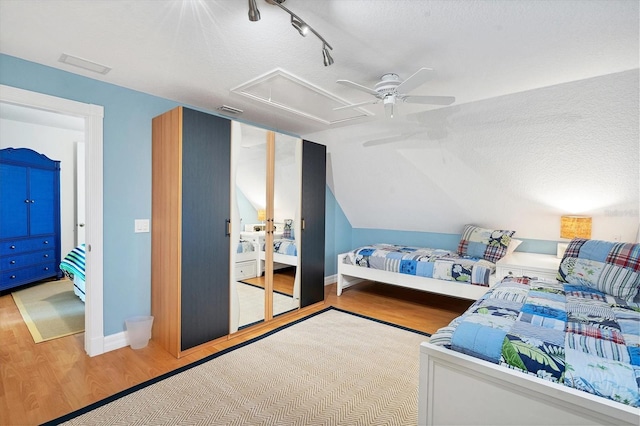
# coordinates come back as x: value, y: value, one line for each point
x: 190, y: 229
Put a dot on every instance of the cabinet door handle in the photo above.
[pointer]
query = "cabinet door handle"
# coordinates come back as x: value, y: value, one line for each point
x: 12, y: 247
x: 46, y: 268
x: 33, y: 201
x: 46, y: 255
x: 27, y: 201
x: 46, y: 242
x: 12, y: 277
x: 228, y: 230
x: 13, y: 262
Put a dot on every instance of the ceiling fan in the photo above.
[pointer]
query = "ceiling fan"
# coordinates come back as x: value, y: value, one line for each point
x: 390, y: 89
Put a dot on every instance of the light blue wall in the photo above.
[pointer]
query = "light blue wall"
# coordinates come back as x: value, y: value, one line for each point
x: 127, y: 178
x: 338, y: 234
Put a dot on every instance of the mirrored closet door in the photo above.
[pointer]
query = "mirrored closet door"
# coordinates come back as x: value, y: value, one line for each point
x: 286, y: 220
x: 265, y: 184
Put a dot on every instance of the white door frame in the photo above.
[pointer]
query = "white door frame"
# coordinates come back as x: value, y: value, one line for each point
x: 81, y: 205
x: 93, y: 121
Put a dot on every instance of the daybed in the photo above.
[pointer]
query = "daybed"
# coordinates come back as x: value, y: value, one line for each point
x: 466, y: 274
x: 539, y: 351
x: 73, y: 266
x: 246, y: 260
x: 284, y: 251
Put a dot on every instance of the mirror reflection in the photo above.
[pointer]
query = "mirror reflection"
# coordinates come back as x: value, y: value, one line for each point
x: 249, y: 206
x: 286, y: 211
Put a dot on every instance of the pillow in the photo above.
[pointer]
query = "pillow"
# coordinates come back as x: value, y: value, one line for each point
x: 488, y: 244
x: 513, y: 245
x: 287, y: 231
x: 612, y: 268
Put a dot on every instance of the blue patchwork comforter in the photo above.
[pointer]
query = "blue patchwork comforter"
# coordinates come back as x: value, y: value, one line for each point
x: 284, y: 246
x: 245, y: 246
x: 424, y: 262
x: 562, y: 332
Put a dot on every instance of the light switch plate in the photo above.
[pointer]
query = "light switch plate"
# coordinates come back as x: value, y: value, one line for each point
x: 141, y: 225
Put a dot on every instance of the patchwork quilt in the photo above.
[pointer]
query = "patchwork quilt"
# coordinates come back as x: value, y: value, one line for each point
x: 285, y: 246
x: 568, y: 333
x: 245, y: 246
x: 424, y: 262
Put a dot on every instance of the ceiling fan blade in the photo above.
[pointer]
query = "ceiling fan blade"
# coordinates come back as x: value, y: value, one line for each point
x: 417, y: 79
x: 357, y: 87
x: 383, y: 141
x: 432, y: 100
x: 356, y: 105
x: 390, y: 139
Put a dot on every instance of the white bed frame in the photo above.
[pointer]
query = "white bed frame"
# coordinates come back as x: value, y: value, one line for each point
x: 457, y: 389
x: 349, y: 275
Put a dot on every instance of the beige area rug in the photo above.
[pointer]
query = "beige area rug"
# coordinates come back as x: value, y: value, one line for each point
x: 251, y: 303
x: 332, y: 368
x: 50, y: 310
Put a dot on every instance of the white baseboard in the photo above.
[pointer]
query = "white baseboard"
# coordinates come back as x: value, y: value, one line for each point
x: 115, y: 341
x: 119, y: 340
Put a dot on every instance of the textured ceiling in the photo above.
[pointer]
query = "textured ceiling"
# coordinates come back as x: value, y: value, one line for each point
x: 196, y: 52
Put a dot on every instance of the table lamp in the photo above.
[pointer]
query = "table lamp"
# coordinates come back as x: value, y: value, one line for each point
x: 573, y: 227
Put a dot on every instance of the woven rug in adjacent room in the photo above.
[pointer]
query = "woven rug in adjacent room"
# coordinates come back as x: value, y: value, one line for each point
x: 50, y: 310
x: 332, y: 368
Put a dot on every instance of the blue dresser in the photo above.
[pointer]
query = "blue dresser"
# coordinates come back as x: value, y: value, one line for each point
x: 29, y: 217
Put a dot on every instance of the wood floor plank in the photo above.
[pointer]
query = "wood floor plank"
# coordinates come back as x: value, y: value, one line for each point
x: 39, y: 382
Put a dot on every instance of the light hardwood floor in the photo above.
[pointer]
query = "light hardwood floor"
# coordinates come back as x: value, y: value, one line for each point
x: 40, y: 382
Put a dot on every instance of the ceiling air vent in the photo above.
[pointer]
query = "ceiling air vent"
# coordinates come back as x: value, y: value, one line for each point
x: 231, y: 110
x: 83, y: 63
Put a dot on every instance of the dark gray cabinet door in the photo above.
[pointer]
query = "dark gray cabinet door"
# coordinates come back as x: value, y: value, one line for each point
x: 206, y: 154
x: 313, y: 215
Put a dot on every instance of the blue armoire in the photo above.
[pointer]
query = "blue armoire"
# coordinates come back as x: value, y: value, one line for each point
x: 29, y: 217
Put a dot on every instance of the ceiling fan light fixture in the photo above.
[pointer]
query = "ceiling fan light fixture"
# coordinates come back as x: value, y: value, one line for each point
x: 254, y: 13
x: 300, y: 25
x: 328, y: 60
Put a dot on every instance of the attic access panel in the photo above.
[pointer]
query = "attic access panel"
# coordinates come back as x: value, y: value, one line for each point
x: 287, y: 92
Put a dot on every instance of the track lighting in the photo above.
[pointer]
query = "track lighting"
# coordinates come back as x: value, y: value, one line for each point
x: 297, y: 23
x: 328, y: 60
x: 254, y: 13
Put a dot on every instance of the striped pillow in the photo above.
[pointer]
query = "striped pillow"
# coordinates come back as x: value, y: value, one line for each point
x: 612, y: 268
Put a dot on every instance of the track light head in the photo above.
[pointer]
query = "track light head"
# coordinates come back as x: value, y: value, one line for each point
x: 297, y: 23
x: 328, y: 60
x: 254, y: 13
x: 300, y: 25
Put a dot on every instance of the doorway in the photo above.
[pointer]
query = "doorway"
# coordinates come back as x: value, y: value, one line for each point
x: 93, y: 136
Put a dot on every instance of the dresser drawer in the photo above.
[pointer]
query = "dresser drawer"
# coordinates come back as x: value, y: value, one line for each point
x: 26, y: 245
x: 245, y: 269
x: 502, y: 272
x: 540, y: 274
x: 22, y: 260
x: 16, y: 277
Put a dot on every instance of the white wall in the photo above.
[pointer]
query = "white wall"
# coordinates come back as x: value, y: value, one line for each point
x: 57, y: 144
x: 513, y: 162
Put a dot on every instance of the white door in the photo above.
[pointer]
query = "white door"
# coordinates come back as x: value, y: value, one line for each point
x: 80, y: 193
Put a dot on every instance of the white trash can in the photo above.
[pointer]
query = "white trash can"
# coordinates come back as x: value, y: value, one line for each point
x: 139, y: 331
